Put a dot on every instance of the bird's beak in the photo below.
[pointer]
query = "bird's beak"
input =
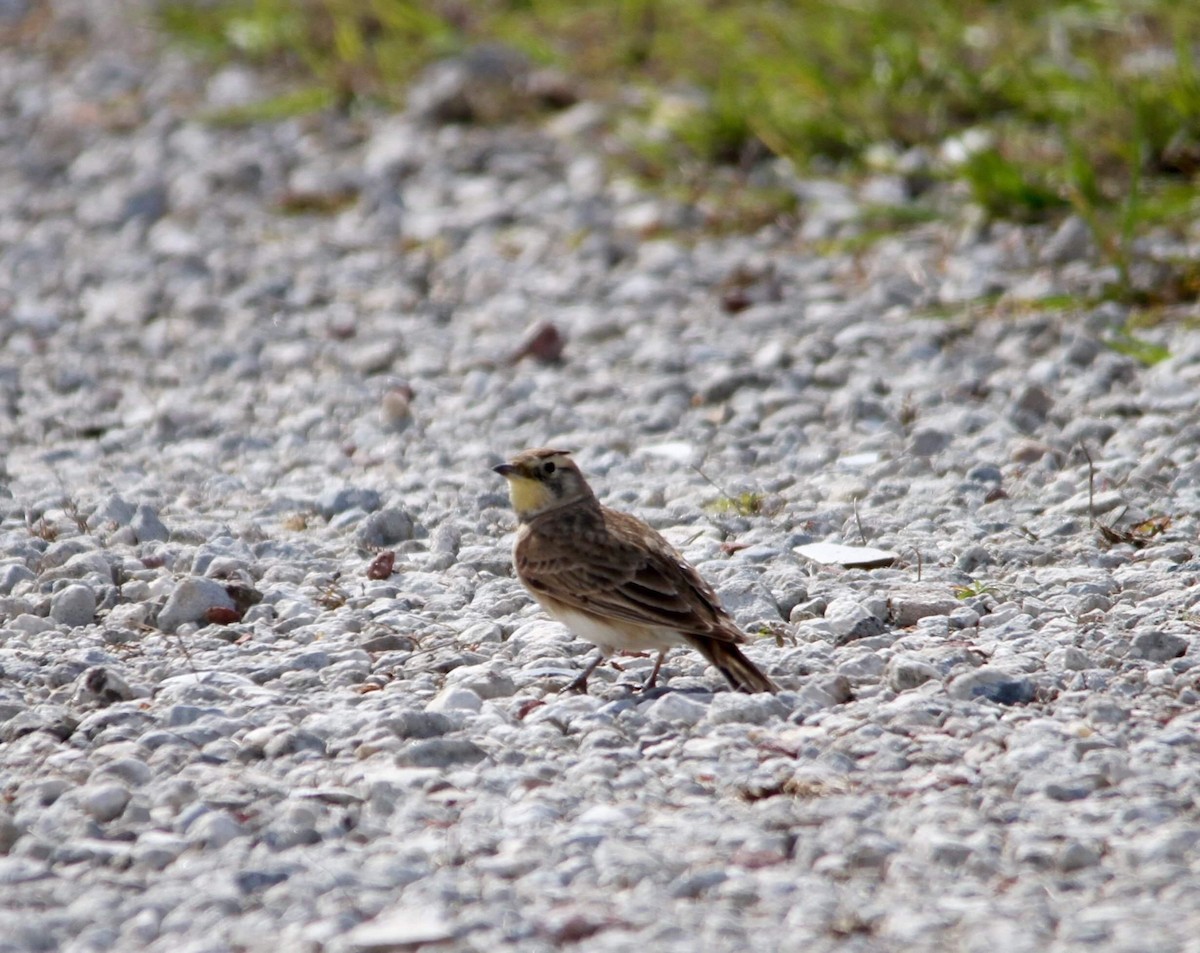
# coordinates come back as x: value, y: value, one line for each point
x: 505, y: 470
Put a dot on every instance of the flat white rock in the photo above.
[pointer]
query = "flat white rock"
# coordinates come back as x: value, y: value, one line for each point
x: 398, y: 928
x: 852, y: 557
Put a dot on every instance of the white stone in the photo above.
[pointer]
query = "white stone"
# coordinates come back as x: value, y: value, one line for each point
x: 852, y: 557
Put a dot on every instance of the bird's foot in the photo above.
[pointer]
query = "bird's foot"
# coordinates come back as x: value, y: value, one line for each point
x: 652, y: 680
x: 578, y: 685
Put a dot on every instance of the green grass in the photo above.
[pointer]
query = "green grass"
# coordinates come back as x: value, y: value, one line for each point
x: 973, y: 589
x: 1144, y: 352
x: 744, y: 504
x: 1088, y: 105
x: 296, y: 102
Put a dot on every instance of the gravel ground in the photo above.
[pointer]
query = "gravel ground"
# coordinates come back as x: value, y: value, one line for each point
x: 220, y: 730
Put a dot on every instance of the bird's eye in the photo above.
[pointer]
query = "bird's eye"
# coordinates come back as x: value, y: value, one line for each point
x: 548, y: 467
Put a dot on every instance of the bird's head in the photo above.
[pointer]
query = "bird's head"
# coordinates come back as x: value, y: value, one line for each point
x: 541, y: 480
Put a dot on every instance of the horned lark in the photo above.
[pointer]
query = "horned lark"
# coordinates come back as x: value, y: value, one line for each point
x: 610, y: 578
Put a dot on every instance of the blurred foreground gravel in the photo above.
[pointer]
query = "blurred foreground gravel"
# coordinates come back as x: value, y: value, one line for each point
x: 219, y: 731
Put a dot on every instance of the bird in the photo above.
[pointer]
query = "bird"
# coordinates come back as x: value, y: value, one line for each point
x: 611, y: 579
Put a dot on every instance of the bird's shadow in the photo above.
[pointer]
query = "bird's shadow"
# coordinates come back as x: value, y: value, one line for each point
x: 635, y: 691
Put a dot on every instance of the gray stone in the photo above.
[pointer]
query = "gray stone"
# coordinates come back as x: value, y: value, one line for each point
x: 131, y: 772
x: 341, y: 499
x: 155, y: 850
x: 484, y: 681
x: 91, y: 563
x: 1104, y: 711
x: 73, y: 606
x: 905, y: 673
x: 909, y: 605
x: 102, y: 685
x: 147, y: 527
x: 9, y: 833
x: 191, y: 600
x: 1071, y: 241
x: 676, y: 709
x: 104, y: 802
x: 1069, y: 658
x: 387, y: 642
x: 850, y: 620
x: 1075, y: 789
x: 148, y: 202
x: 294, y: 741
x: 1077, y: 856
x: 18, y: 870
x: 385, y: 527
x: 212, y: 830
x: 735, y: 707
x: 486, y: 84
x: 440, y: 753
x: 1032, y: 403
x: 455, y: 698
x: 12, y: 575
x: 1156, y: 646
x: 418, y: 724
x: 994, y: 685
x: 971, y: 558
x: 985, y: 474
x: 926, y: 442
x: 749, y: 602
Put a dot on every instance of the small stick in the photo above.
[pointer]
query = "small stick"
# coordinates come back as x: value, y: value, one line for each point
x: 861, y: 535
x: 1091, y: 484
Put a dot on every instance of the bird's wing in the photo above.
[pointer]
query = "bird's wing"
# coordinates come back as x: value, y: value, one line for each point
x: 622, y: 569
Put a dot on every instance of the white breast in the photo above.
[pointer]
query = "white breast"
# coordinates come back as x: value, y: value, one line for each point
x: 614, y: 637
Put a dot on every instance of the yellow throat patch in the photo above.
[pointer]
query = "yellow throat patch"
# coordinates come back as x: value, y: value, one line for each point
x: 528, y: 495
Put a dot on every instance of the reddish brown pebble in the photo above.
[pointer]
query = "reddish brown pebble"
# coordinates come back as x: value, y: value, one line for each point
x: 735, y: 300
x: 219, y: 615
x: 381, y: 565
x: 526, y: 707
x: 544, y: 343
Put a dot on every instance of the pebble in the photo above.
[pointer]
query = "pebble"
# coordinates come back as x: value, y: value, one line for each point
x: 73, y: 606
x: 190, y: 600
x: 676, y: 709
x: 338, y: 500
x: 863, y: 557
x: 439, y: 753
x: 454, y: 698
x: 212, y: 830
x: 907, y: 607
x: 102, y: 686
x: 387, y: 527
x: 993, y: 685
x: 12, y: 575
x: 1156, y: 646
x: 104, y: 802
x: 400, y: 928
x: 905, y: 673
x: 850, y: 620
x: 147, y: 527
x: 732, y: 707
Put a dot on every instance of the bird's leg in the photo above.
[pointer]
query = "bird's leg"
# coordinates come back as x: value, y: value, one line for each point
x: 650, y: 682
x: 580, y: 684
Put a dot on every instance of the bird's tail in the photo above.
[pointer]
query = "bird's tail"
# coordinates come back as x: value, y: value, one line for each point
x: 728, y: 659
